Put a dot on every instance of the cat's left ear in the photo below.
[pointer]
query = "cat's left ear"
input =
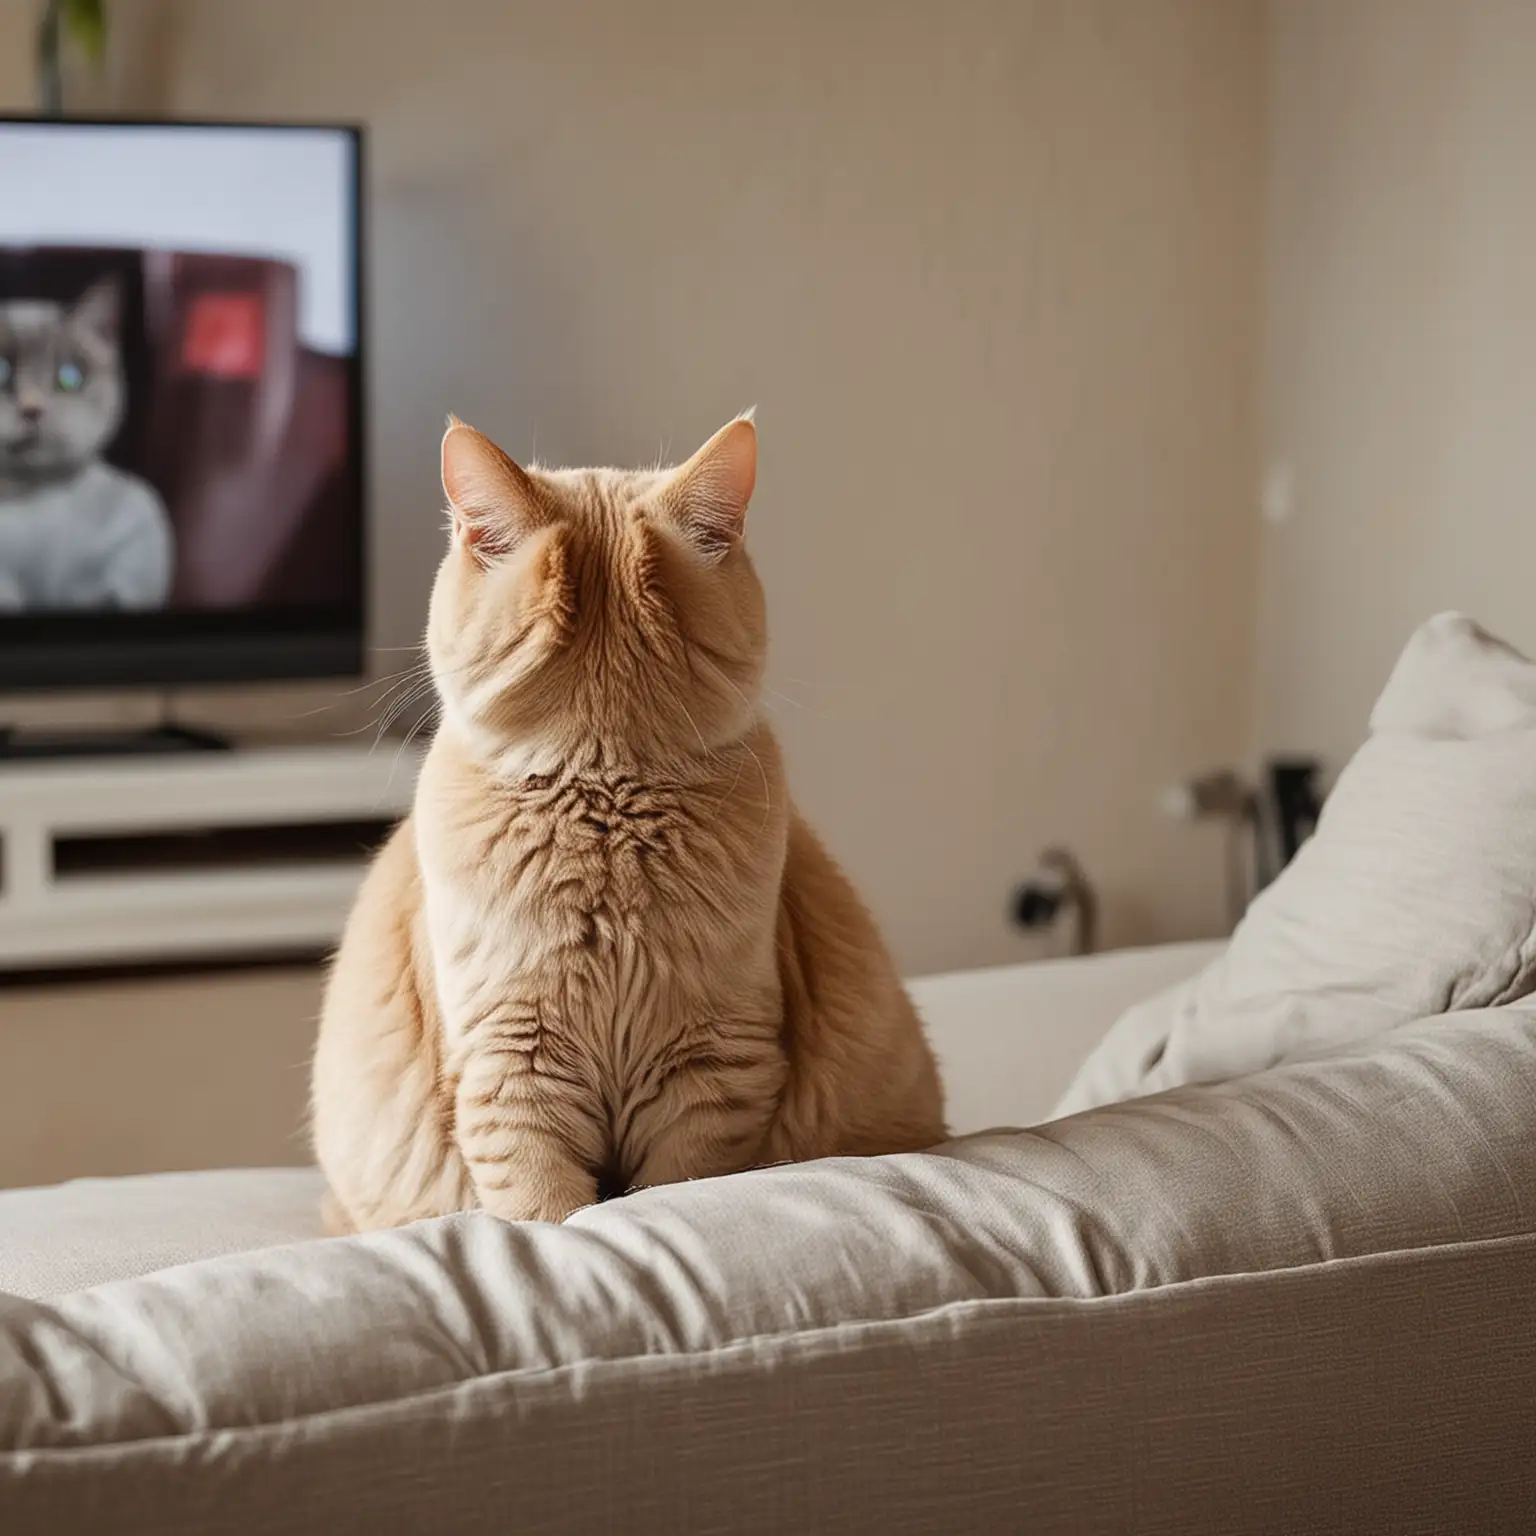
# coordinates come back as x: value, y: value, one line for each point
x: 99, y: 308
x: 706, y: 498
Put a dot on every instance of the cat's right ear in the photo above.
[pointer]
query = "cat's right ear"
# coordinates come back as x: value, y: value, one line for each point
x: 99, y: 308
x: 706, y: 498
x: 493, y: 503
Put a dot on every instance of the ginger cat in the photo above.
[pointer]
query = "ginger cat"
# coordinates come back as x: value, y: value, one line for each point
x: 604, y: 951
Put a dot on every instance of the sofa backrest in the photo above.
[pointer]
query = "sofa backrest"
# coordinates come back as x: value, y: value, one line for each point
x: 1202, y: 1274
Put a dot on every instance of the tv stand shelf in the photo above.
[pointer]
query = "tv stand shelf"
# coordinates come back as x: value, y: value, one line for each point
x: 144, y: 741
x: 201, y: 855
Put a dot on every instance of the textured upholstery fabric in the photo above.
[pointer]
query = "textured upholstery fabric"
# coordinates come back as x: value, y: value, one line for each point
x: 1387, y: 1396
x: 90, y: 1231
x: 1416, y: 895
x: 981, y: 1314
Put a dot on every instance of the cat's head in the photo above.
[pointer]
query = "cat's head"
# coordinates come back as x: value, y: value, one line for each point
x: 61, y: 382
x: 597, y: 605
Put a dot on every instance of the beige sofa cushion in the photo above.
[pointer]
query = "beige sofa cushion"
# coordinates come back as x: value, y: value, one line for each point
x: 1009, y: 1039
x: 1298, y: 1302
x: 89, y: 1231
x: 1423, y: 1139
x: 1416, y: 895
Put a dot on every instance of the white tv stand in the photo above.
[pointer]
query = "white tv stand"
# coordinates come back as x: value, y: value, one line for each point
x: 251, y: 852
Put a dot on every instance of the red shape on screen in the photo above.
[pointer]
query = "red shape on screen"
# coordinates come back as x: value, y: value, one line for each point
x: 224, y: 336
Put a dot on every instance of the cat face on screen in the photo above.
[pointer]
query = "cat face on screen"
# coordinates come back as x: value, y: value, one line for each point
x: 61, y: 383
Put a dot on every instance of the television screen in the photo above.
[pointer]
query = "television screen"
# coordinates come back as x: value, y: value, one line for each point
x: 180, y: 412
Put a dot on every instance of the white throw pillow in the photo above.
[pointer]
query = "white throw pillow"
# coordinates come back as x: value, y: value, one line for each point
x: 1416, y: 894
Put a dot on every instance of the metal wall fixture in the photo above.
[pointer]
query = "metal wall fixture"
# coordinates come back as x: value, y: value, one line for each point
x: 1057, y: 890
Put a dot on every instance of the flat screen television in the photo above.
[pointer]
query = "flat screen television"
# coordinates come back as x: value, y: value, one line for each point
x: 181, y: 411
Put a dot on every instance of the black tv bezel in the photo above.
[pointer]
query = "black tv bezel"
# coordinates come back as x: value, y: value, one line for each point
x: 56, y: 653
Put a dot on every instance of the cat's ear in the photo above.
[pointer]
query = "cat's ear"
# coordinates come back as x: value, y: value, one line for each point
x: 99, y: 309
x: 706, y: 498
x: 493, y: 503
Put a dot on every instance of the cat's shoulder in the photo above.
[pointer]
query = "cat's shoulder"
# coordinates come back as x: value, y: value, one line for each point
x: 121, y: 481
x: 120, y: 491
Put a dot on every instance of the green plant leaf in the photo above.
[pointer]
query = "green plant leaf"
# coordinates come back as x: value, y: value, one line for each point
x: 85, y: 21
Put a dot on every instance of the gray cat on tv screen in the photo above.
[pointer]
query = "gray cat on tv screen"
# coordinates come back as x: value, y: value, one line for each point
x: 180, y: 403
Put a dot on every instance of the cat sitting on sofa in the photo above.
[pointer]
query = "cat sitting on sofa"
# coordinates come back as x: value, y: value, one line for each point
x: 75, y: 532
x: 605, y: 950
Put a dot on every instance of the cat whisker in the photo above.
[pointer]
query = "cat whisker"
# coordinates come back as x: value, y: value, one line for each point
x: 703, y: 745
x: 399, y: 706
x: 395, y: 716
x: 736, y: 779
x: 389, y: 683
x: 767, y: 792
x: 721, y: 674
x: 784, y: 698
x: 410, y: 736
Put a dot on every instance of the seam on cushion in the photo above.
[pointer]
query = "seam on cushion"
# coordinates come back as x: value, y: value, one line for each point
x: 854, y: 1327
x: 1523, y: 978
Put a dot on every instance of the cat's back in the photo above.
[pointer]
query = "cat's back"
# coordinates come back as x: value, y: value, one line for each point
x: 598, y: 874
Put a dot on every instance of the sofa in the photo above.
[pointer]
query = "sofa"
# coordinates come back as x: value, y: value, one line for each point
x: 1264, y: 1261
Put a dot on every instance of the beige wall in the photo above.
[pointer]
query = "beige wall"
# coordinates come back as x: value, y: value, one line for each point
x: 990, y: 272
x: 993, y: 286
x: 1401, y: 352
